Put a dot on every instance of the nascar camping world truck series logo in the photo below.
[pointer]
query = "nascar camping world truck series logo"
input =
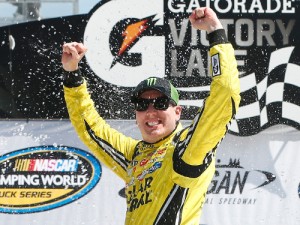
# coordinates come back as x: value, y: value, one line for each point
x: 129, y: 41
x: 42, y: 178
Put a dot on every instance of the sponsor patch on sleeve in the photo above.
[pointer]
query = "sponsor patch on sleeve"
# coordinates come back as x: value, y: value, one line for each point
x: 215, y: 62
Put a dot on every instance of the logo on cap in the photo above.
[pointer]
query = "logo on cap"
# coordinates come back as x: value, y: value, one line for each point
x: 151, y: 81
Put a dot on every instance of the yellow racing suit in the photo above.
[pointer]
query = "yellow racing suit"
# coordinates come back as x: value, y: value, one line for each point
x: 166, y: 182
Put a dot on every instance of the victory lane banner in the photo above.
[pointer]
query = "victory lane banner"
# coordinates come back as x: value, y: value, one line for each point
x: 45, y: 177
x: 144, y: 38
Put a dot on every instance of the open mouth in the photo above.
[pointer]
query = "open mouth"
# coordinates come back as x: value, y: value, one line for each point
x: 152, y: 123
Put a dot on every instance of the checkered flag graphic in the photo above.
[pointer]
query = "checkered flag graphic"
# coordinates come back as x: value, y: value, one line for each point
x: 273, y: 100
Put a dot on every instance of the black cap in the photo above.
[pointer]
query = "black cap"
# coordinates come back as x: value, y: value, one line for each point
x: 156, y: 83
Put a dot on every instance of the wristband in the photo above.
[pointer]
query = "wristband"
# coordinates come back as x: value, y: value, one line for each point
x: 73, y: 78
x: 217, y: 37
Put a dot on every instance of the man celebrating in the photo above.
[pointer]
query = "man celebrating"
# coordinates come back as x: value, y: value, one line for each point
x: 167, y: 174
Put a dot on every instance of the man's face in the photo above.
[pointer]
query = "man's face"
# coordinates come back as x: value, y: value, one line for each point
x: 156, y: 124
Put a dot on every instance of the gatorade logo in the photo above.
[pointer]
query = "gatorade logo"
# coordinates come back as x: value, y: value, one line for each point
x: 43, y: 178
x: 126, y: 41
x: 125, y: 35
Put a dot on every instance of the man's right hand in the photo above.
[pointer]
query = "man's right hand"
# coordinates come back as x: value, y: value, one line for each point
x: 72, y: 54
